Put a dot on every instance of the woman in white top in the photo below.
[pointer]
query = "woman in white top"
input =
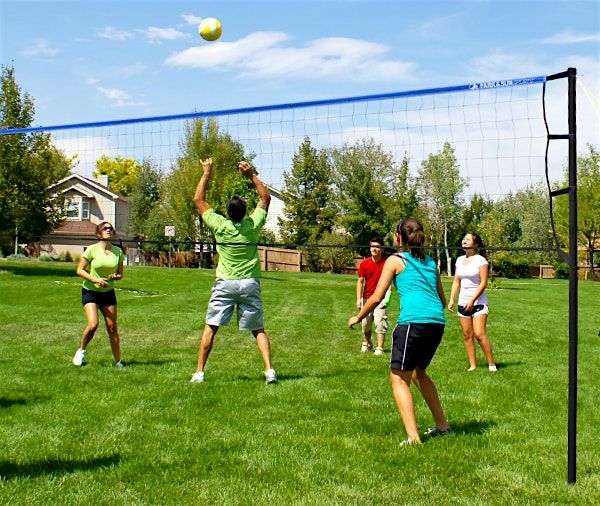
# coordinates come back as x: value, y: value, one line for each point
x: 471, y: 276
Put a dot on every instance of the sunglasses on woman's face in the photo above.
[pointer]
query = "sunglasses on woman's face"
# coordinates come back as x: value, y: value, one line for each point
x: 107, y: 229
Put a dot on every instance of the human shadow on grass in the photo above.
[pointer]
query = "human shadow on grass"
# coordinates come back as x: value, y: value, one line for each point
x: 297, y: 377
x: 39, y: 270
x: 139, y: 362
x: 7, y: 403
x: 472, y: 428
x: 11, y: 470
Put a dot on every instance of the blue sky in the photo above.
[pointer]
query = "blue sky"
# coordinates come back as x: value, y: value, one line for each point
x: 85, y: 61
x: 90, y: 60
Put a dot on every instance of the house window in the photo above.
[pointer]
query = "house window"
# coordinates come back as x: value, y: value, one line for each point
x: 85, y: 210
x: 78, y: 209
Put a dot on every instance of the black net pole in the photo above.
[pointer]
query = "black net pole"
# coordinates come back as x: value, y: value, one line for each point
x: 573, y: 282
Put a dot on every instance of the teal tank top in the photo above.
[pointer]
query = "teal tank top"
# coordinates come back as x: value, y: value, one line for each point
x: 417, y: 287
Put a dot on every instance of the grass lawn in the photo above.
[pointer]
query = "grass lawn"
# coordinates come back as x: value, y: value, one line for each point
x: 327, y: 433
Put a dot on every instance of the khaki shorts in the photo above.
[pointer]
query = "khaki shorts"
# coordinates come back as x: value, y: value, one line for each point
x: 377, y: 317
x: 241, y: 293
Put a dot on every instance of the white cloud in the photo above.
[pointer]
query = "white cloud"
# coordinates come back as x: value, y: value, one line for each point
x: 92, y: 80
x: 439, y: 27
x: 113, y: 34
x: 40, y: 48
x: 113, y: 93
x: 263, y: 55
x: 154, y: 34
x: 502, y: 64
x: 119, y: 98
x: 190, y: 19
x: 568, y: 37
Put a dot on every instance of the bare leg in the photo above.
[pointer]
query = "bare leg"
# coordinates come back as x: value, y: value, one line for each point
x: 367, y: 336
x: 206, y: 345
x: 467, y: 327
x: 404, y: 402
x: 479, y: 327
x: 110, y: 318
x: 380, y: 340
x: 91, y: 313
x: 264, y: 346
x: 430, y: 394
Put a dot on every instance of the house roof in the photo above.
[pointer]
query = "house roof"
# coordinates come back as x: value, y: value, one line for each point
x: 78, y: 180
x: 78, y: 228
x: 78, y: 188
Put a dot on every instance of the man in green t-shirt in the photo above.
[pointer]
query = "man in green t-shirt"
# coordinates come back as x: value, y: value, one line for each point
x: 238, y: 271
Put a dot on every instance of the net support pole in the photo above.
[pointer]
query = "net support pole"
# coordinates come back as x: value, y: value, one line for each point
x: 573, y: 282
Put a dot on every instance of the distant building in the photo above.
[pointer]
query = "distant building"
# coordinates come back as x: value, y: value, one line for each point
x: 275, y: 211
x: 89, y: 202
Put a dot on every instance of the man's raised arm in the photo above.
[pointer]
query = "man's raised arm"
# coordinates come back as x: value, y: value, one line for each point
x: 200, y: 195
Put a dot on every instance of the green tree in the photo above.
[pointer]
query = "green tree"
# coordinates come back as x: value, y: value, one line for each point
x: 122, y: 173
x: 440, y: 186
x: 308, y: 196
x: 144, y: 197
x: 474, y: 214
x: 203, y: 139
x: 365, y: 176
x: 588, y: 205
x: 28, y: 165
x: 403, y: 201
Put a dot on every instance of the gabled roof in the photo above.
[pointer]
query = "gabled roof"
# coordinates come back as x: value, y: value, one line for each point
x: 78, y: 180
x: 78, y: 188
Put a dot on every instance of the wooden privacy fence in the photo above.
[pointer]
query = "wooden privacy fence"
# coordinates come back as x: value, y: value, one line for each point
x: 276, y: 259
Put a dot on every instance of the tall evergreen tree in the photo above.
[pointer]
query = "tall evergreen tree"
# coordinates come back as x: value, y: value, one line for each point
x: 365, y: 178
x: 309, y: 210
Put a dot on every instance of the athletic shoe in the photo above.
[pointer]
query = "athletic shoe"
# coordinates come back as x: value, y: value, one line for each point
x: 378, y: 351
x: 492, y: 368
x: 270, y: 376
x: 366, y: 347
x: 120, y: 364
x: 409, y: 442
x: 198, y: 377
x: 78, y: 358
x: 472, y: 368
x: 435, y: 431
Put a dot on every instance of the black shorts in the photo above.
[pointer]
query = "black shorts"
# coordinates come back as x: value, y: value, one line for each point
x: 414, y: 345
x: 101, y: 299
x: 477, y: 308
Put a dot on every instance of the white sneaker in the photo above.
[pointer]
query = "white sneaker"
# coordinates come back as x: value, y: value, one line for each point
x: 198, y: 377
x: 492, y: 368
x: 78, y: 358
x: 378, y: 351
x: 270, y: 376
x: 119, y: 364
x: 366, y: 347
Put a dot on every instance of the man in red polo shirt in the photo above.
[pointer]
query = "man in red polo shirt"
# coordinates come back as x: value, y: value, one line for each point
x: 369, y: 272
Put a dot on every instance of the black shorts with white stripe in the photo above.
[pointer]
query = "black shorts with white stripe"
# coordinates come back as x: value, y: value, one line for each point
x: 414, y: 345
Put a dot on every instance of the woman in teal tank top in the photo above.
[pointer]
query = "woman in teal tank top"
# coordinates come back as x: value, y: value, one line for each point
x: 420, y: 326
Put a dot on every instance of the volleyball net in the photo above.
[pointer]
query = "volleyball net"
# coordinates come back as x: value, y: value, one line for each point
x: 496, y: 130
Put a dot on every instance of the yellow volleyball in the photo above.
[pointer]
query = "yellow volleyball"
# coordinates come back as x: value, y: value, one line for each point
x: 210, y: 29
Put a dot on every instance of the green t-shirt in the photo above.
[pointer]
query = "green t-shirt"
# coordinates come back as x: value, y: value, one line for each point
x: 237, y: 261
x: 102, y: 264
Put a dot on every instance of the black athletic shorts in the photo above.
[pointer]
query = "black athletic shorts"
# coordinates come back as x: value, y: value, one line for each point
x: 414, y: 345
x: 477, y: 308
x: 101, y: 299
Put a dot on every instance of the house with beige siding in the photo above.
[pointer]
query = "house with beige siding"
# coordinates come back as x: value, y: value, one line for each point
x: 88, y: 202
